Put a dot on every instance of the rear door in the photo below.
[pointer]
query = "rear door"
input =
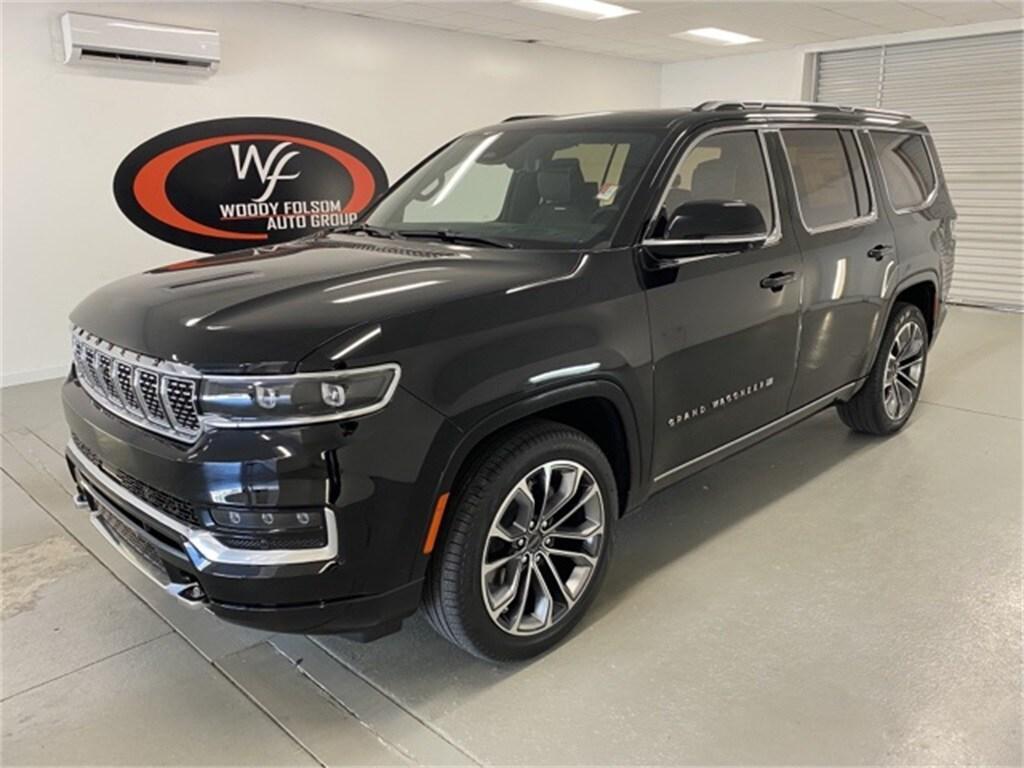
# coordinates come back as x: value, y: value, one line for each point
x: 849, y: 257
x: 918, y: 215
x: 723, y: 335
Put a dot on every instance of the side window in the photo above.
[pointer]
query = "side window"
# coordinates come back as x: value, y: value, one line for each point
x: 908, y: 172
x: 601, y: 166
x: 724, y: 166
x: 824, y: 177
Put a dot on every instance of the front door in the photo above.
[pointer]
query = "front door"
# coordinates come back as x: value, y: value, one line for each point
x: 849, y: 255
x: 723, y: 328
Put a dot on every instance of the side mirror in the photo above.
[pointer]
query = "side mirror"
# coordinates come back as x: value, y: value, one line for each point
x: 704, y: 227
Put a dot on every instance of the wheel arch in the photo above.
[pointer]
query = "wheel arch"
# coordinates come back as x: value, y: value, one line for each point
x: 599, y: 408
x: 920, y: 287
x: 922, y: 294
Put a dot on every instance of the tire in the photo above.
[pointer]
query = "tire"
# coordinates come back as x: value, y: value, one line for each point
x: 898, y: 373
x: 493, y: 502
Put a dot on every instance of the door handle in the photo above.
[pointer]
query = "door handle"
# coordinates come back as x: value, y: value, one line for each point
x: 880, y: 251
x: 776, y: 281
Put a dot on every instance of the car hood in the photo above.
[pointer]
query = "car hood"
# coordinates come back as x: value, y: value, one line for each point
x: 263, y: 310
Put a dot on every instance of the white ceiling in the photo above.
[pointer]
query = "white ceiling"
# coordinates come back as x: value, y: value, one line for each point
x: 646, y: 35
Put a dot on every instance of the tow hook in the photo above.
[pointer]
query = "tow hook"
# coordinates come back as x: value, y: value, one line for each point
x: 191, y: 594
x: 82, y: 500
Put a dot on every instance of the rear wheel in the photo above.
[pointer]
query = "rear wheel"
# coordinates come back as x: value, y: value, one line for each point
x: 527, y: 543
x: 887, y: 399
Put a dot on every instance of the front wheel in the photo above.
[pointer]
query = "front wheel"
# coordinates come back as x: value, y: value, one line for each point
x: 884, y: 404
x: 527, y: 543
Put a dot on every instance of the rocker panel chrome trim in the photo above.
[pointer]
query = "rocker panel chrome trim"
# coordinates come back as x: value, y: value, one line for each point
x: 739, y: 443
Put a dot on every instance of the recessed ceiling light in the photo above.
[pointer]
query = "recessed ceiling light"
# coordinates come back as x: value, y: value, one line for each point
x: 719, y: 36
x: 581, y: 9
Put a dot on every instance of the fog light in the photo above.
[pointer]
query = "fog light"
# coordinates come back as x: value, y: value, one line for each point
x: 262, y: 521
x: 332, y: 394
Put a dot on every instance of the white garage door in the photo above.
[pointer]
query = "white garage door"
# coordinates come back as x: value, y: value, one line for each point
x: 968, y: 91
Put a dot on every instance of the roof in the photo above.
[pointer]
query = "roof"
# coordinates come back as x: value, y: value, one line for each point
x: 757, y: 112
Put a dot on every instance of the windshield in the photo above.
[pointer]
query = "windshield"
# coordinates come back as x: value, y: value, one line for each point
x: 552, y: 189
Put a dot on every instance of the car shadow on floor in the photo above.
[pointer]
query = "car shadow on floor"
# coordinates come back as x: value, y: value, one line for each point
x: 416, y: 665
x: 684, y: 516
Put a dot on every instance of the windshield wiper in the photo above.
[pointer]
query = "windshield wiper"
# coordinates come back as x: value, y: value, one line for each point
x: 366, y: 229
x: 447, y: 236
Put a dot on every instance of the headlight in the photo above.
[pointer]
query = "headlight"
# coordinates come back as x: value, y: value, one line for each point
x: 302, y: 398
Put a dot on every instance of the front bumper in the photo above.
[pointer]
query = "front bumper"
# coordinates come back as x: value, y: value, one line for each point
x: 376, y: 500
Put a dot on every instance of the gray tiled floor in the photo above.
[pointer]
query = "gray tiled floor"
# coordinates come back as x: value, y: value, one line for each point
x: 51, y: 592
x: 823, y: 598
x: 156, y: 703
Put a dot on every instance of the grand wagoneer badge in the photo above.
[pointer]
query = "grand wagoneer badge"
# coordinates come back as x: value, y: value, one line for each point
x: 720, y: 402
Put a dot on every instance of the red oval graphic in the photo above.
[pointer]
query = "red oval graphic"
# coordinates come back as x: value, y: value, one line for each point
x: 296, y: 191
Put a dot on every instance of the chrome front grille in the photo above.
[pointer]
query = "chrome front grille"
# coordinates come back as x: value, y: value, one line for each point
x: 180, y: 397
x: 157, y: 395
x: 126, y: 388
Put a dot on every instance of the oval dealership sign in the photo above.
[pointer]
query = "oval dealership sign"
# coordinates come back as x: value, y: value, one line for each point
x: 238, y: 182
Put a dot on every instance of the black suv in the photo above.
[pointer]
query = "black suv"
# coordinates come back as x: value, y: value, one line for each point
x: 453, y: 401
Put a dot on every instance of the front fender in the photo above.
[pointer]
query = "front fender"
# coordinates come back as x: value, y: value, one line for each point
x: 453, y: 457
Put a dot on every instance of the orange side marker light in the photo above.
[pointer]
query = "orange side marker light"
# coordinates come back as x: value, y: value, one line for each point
x: 435, y: 524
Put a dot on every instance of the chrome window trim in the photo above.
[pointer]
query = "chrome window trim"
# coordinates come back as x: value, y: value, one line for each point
x: 205, y: 543
x: 714, y: 240
x: 769, y: 123
x: 859, y: 221
x: 926, y: 138
x: 779, y: 125
x: 773, y: 237
x: 224, y: 422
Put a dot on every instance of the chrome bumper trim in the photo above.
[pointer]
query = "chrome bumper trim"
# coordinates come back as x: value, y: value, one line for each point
x: 203, y: 541
x: 182, y: 591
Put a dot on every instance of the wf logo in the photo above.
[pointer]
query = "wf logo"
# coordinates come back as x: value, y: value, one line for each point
x: 270, y: 169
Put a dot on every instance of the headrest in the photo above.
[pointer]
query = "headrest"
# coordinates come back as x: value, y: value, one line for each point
x: 560, y: 181
x: 714, y: 180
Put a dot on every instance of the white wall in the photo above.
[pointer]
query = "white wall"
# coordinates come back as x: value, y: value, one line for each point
x: 767, y: 76
x: 398, y: 89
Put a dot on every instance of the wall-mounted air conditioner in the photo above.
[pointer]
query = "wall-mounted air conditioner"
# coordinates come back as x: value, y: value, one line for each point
x: 105, y: 40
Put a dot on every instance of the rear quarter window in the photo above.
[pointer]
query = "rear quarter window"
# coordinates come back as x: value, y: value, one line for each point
x: 906, y: 168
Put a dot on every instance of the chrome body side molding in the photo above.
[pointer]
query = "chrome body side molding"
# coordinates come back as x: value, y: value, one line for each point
x: 745, y: 441
x: 558, y: 279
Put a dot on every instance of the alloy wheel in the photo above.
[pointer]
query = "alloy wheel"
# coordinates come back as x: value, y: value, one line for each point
x: 542, y: 548
x: 903, y: 369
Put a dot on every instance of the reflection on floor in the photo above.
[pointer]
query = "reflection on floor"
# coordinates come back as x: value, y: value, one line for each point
x: 822, y: 598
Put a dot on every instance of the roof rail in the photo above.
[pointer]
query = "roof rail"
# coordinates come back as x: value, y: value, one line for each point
x: 722, y: 106
x: 514, y: 118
